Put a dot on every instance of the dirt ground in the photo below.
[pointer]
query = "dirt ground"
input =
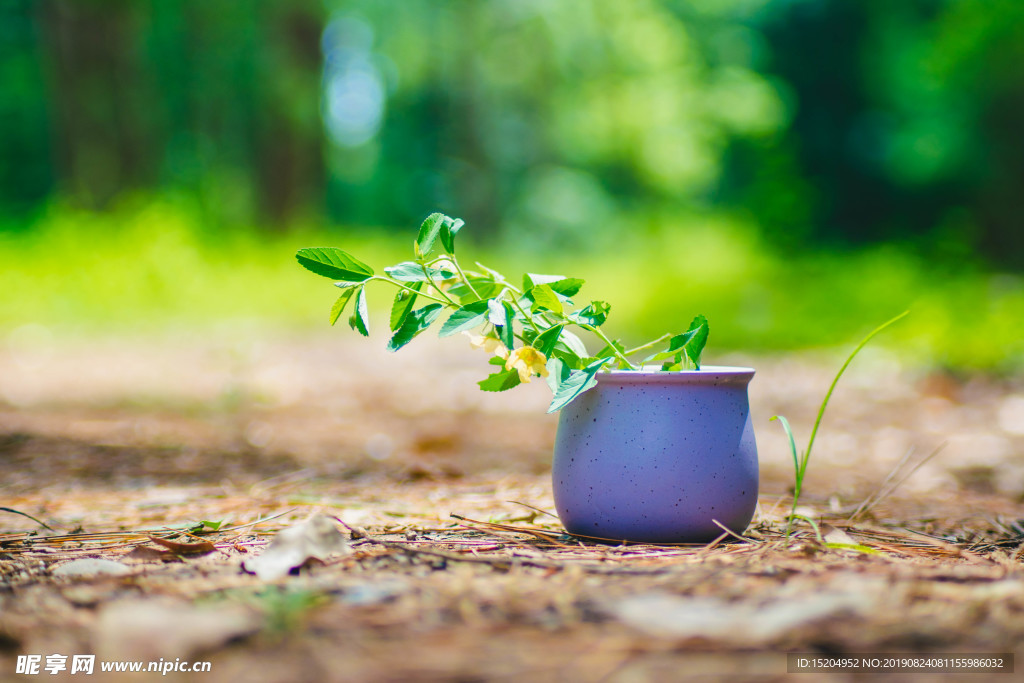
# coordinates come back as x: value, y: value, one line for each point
x: 452, y: 567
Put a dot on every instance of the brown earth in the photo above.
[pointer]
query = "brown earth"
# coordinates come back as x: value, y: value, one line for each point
x: 112, y: 442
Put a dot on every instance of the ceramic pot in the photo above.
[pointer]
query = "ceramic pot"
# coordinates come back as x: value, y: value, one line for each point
x: 658, y: 456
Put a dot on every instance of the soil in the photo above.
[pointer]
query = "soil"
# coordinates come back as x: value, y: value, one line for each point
x: 453, y: 566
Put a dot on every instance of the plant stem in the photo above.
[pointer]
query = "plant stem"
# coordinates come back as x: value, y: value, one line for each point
x: 824, y: 404
x: 515, y: 302
x: 398, y: 284
x: 802, y: 467
x: 430, y: 281
x: 455, y: 262
x: 606, y: 340
x: 500, y: 279
x: 648, y: 345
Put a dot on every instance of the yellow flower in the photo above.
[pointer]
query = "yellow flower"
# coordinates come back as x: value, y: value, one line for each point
x: 528, y: 361
x: 488, y: 344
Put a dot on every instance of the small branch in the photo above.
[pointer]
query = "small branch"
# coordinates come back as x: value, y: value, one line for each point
x: 733, y: 533
x: 25, y: 514
x: 425, y: 295
x: 883, y: 493
x: 606, y: 340
x: 529, y: 318
x: 517, y: 561
x: 648, y: 345
x: 525, y: 505
x: 458, y: 268
x: 430, y: 281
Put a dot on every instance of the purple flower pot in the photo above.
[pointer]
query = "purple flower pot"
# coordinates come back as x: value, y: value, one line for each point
x: 658, y: 456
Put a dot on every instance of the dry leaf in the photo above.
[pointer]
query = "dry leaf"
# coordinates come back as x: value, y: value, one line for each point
x: 675, y: 616
x: 836, y: 535
x: 291, y: 548
x: 91, y: 566
x: 151, y: 629
x: 144, y: 553
x: 200, y: 548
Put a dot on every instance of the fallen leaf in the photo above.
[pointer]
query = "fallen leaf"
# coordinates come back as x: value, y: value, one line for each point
x: 152, y: 629
x: 200, y: 548
x: 91, y: 566
x: 144, y: 553
x: 663, y: 614
x: 833, y: 534
x: 291, y: 548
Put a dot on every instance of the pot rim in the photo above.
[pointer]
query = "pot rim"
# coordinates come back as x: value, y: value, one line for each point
x: 652, y: 374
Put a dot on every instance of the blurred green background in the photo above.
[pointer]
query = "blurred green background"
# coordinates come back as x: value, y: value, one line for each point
x: 797, y: 170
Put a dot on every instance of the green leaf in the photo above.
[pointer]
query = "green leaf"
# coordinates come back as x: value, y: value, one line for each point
x: 660, y: 356
x: 466, y: 318
x: 568, y: 357
x: 404, y: 301
x: 575, y: 384
x: 410, y: 271
x: 333, y: 263
x: 485, y: 287
x: 689, y: 344
x: 501, y: 314
x: 543, y: 298
x: 531, y: 280
x: 546, y: 340
x: 506, y: 333
x: 567, y: 287
x: 340, y: 303
x: 558, y: 372
x: 675, y: 365
x: 595, y: 314
x: 693, y: 347
x: 449, y: 228
x: 214, y: 526
x: 429, y: 231
x: 501, y: 381
x: 360, y: 320
x: 496, y: 313
x: 414, y: 324
x: 570, y: 348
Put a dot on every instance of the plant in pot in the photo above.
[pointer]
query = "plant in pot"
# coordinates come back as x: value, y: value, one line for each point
x: 651, y: 445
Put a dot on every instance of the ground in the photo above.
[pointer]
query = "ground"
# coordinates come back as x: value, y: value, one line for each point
x: 452, y: 566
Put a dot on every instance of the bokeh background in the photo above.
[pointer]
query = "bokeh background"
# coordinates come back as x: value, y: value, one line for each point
x: 797, y: 170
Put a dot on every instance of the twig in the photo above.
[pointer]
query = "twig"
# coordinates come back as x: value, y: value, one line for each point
x: 713, y: 544
x: 25, y: 514
x: 509, y: 562
x: 868, y: 503
x: 538, y: 533
x: 880, y: 495
x: 732, y: 533
x: 543, y: 512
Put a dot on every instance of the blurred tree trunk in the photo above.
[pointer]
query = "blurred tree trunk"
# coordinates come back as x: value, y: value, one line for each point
x: 182, y: 92
x: 290, y: 170
x: 101, y: 143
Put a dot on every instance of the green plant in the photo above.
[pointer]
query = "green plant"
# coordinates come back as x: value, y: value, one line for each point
x: 497, y: 315
x: 800, y: 461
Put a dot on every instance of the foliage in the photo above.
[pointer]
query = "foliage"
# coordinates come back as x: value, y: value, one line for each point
x: 536, y: 315
x: 155, y: 267
x: 800, y: 461
x: 834, y: 123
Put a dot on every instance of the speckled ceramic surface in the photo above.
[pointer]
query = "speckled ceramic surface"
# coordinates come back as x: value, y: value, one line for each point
x: 658, y: 456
